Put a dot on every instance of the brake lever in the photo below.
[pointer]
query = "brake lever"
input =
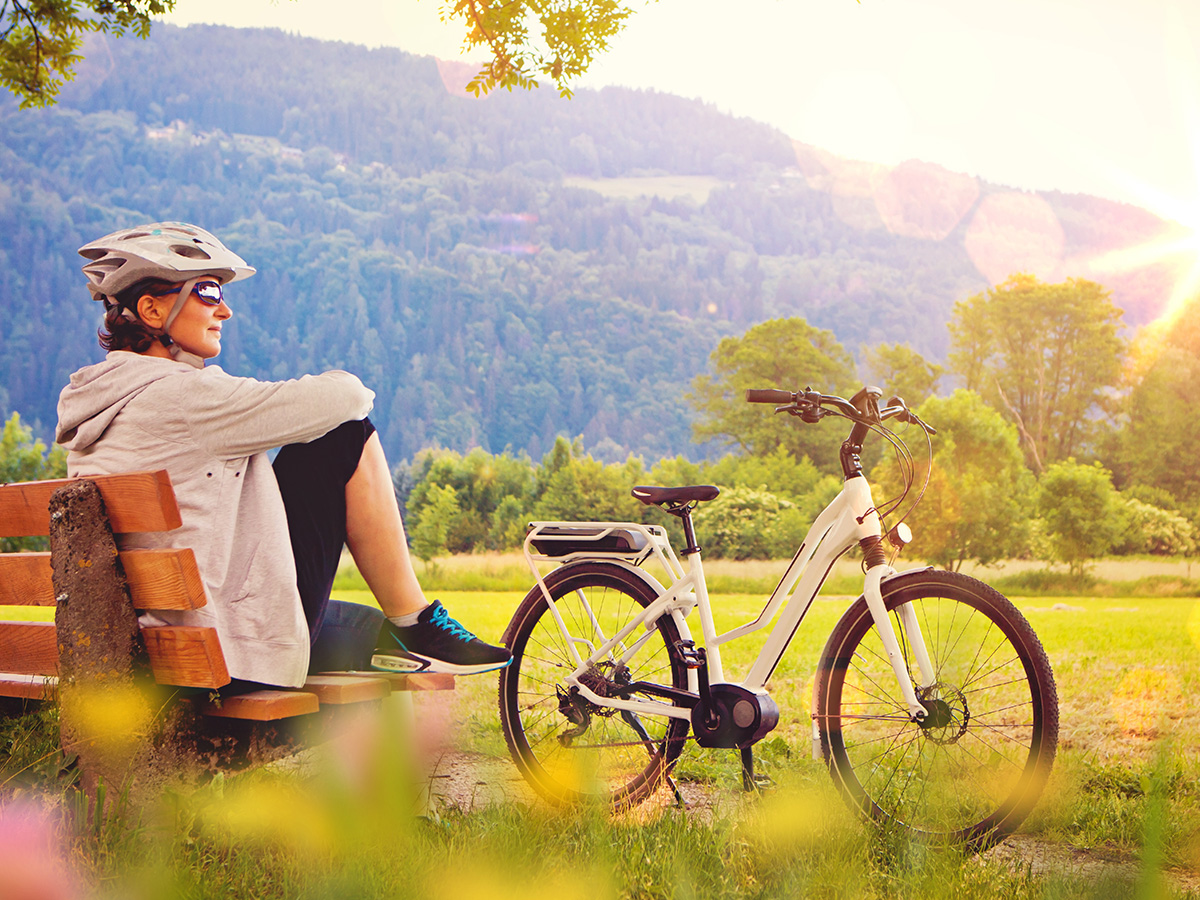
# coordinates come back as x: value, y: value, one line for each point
x: 809, y: 413
x: 916, y: 420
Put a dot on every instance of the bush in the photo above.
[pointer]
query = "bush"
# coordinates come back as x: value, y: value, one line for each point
x: 1151, y: 529
x: 24, y: 459
x: 1081, y: 513
x: 745, y: 523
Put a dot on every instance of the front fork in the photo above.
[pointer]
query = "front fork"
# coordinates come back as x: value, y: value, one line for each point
x: 873, y: 593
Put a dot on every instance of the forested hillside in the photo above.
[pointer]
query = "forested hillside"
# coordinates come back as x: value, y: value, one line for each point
x: 472, y: 259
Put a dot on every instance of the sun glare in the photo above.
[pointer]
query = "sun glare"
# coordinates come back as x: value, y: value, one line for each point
x: 1181, y: 249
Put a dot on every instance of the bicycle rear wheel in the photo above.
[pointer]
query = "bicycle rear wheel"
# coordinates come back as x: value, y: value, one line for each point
x: 971, y: 771
x: 568, y: 748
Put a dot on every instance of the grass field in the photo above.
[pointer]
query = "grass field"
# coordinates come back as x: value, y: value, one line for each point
x: 1126, y: 787
x: 669, y: 187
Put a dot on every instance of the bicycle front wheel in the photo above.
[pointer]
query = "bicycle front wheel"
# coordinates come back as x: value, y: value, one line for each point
x: 972, y: 769
x: 569, y: 748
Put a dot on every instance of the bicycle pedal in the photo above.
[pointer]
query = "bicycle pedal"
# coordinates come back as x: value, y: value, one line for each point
x: 690, y: 655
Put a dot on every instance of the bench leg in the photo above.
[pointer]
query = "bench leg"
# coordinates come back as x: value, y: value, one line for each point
x: 105, y: 718
x: 404, y: 709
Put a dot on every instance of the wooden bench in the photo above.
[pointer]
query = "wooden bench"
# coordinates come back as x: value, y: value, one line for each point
x: 96, y: 651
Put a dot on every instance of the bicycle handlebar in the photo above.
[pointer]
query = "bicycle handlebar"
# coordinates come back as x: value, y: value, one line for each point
x: 811, y: 405
x: 769, y: 395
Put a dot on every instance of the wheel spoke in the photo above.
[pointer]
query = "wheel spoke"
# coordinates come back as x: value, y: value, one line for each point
x: 961, y: 773
x: 571, y: 747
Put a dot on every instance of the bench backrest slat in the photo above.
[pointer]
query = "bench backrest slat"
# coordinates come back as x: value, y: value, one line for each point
x: 140, y: 501
x: 28, y: 648
x: 186, y: 655
x: 25, y: 580
x: 158, y: 579
x: 180, y: 655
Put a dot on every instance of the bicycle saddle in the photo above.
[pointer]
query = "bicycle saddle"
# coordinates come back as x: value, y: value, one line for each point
x: 692, y: 493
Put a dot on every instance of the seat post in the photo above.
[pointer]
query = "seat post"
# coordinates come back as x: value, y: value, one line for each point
x: 689, y: 533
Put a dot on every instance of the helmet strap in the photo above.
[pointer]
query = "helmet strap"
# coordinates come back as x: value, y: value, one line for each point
x: 182, y: 298
x: 177, y: 352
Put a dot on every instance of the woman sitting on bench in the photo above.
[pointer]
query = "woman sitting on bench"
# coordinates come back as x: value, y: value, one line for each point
x: 267, y: 537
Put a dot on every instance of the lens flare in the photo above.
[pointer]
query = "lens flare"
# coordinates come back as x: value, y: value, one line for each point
x: 1144, y: 700
x: 1179, y: 249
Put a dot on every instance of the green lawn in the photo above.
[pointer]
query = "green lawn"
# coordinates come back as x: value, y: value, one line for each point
x: 1126, y: 784
x: 1125, y: 668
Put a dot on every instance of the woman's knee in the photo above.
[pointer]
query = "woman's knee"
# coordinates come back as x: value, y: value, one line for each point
x: 335, y: 452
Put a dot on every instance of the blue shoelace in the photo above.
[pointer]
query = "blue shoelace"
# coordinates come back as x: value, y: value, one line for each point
x: 441, y: 619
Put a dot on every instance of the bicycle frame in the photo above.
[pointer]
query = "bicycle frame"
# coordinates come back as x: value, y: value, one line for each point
x: 848, y: 519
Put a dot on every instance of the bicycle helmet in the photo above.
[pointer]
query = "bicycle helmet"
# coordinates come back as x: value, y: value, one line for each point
x: 172, y: 251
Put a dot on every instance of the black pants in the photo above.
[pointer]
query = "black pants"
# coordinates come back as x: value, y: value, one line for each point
x: 312, y: 480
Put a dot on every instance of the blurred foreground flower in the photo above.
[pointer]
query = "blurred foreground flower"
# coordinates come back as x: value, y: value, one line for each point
x: 32, y: 862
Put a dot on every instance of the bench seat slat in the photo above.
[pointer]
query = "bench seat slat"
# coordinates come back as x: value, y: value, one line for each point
x: 139, y: 501
x: 339, y: 689
x: 263, y: 706
x: 413, y: 681
x: 158, y: 579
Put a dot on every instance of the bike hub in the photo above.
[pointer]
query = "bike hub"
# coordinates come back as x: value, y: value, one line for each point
x: 946, y: 713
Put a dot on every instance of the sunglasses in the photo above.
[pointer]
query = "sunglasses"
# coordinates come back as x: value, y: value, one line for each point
x: 209, y: 292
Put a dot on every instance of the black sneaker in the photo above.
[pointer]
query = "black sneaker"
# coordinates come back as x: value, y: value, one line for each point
x: 437, y: 643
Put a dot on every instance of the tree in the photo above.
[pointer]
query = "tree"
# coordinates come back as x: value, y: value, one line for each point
x: 24, y: 459
x: 744, y: 523
x: 788, y: 354
x: 437, y: 518
x: 977, y: 504
x: 573, y: 33
x: 572, y: 485
x: 557, y: 39
x: 1081, y: 512
x: 902, y: 371
x: 1152, y: 529
x: 1160, y: 433
x: 40, y: 40
x: 1046, y: 354
x: 481, y: 482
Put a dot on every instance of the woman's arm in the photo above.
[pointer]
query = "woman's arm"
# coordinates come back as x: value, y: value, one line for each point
x: 232, y: 417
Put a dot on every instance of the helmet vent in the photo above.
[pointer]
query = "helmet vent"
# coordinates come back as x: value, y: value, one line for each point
x: 189, y: 251
x: 134, y: 235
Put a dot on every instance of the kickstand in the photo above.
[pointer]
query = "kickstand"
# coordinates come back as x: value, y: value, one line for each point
x: 680, y: 803
x: 751, y: 781
x: 748, y: 782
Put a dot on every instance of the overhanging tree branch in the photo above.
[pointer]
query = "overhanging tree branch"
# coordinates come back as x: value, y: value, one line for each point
x: 39, y: 40
x: 569, y: 35
x: 556, y: 39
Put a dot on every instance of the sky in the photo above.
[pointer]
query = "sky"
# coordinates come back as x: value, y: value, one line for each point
x: 1089, y: 96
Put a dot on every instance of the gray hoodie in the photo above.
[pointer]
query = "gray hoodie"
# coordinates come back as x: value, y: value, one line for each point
x: 211, y: 431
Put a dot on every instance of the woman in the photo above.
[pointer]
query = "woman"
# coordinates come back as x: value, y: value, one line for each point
x: 267, y: 537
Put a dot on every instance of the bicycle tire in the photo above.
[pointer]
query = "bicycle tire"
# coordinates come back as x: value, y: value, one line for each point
x: 569, y: 749
x: 973, y: 771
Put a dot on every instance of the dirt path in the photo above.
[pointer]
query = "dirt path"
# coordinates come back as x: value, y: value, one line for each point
x: 465, y: 782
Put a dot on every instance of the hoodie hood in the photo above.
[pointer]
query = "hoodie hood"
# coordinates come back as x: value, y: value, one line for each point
x: 98, y: 393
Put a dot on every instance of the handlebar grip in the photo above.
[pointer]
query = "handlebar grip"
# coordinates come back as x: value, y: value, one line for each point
x: 769, y: 395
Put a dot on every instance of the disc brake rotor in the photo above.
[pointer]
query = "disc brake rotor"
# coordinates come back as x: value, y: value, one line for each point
x: 947, y: 714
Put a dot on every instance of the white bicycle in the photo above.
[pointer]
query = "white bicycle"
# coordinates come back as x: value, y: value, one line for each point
x: 934, y: 703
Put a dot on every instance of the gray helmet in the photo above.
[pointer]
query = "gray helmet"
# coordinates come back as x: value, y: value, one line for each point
x: 172, y: 251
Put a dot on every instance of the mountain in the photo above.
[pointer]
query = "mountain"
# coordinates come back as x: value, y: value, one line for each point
x: 501, y: 270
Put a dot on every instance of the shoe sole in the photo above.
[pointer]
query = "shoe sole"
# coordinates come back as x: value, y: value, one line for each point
x: 422, y: 664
